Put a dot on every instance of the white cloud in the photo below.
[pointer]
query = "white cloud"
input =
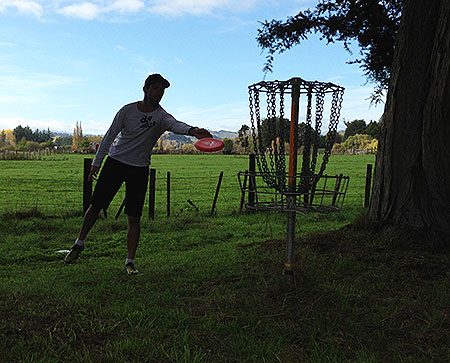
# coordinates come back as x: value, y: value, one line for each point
x: 8, y: 99
x: 4, y: 44
x: 85, y: 11
x: 92, y: 127
x: 197, y: 7
x: 126, y: 6
x: 23, y: 7
x: 91, y: 10
x: 181, y: 7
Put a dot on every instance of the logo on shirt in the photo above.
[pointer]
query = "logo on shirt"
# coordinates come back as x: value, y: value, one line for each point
x: 147, y: 122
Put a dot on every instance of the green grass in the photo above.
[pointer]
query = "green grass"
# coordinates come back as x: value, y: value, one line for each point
x: 211, y: 288
x: 54, y: 184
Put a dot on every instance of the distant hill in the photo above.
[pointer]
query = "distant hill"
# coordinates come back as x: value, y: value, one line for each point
x: 180, y: 139
x: 222, y: 134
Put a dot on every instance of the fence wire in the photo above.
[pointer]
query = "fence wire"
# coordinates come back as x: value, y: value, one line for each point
x: 187, y: 194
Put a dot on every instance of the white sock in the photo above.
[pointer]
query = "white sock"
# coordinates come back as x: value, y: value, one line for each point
x: 79, y: 242
x: 129, y: 260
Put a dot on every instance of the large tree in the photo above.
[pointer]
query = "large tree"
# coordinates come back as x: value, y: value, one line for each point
x: 412, y: 173
x: 411, y: 188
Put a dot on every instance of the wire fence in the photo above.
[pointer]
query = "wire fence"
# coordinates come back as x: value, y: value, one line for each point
x: 183, y: 194
x: 55, y: 186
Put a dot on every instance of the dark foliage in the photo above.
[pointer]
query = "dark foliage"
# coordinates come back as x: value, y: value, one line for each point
x: 372, y: 23
x: 273, y: 128
x: 354, y: 127
x: 26, y: 132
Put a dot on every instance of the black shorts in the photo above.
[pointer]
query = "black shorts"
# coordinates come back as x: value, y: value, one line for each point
x: 112, y: 175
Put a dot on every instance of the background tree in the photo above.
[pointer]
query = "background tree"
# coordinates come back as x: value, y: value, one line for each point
x: 373, y: 24
x: 243, y: 135
x: 160, y: 145
x: 7, y: 138
x: 63, y: 142
x: 275, y: 128
x: 41, y: 136
x: 188, y: 149
x: 85, y: 143
x: 360, y: 143
x: 229, y: 145
x: 373, y: 129
x: 23, y: 133
x: 77, y: 136
x: 354, y: 127
x: 271, y: 128
x: 37, y: 135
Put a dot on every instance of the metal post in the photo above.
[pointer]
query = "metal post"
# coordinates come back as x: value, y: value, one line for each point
x: 252, y: 180
x: 291, y: 200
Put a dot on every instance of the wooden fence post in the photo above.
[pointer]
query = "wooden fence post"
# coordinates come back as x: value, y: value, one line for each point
x: 217, y: 192
x: 337, y: 187
x: 244, y: 186
x: 151, y: 200
x: 252, y: 180
x: 87, y: 185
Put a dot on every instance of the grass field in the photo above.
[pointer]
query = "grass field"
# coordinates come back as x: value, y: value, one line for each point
x: 211, y: 288
x: 54, y: 185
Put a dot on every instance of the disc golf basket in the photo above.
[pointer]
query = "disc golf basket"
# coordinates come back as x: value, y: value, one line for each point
x: 293, y: 191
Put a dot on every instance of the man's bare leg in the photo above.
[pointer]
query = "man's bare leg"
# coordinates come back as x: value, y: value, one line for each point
x: 134, y: 230
x: 89, y: 220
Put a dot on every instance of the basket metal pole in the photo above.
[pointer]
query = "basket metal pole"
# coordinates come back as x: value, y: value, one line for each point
x: 291, y: 199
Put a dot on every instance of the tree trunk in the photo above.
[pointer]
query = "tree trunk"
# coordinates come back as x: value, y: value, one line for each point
x: 412, y: 174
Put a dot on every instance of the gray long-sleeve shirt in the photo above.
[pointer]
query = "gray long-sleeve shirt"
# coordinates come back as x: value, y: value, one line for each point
x: 137, y: 132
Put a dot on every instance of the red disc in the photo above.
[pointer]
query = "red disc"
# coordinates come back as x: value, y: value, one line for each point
x: 209, y: 144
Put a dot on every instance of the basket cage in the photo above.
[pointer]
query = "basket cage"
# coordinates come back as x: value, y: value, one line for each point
x: 275, y: 131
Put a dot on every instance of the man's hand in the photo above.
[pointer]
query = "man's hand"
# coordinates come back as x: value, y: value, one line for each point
x: 199, y: 133
x: 93, y: 173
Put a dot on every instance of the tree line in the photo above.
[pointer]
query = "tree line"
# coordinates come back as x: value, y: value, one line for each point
x: 25, y: 139
x: 358, y: 137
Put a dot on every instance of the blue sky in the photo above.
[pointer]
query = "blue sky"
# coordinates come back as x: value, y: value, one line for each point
x: 63, y: 61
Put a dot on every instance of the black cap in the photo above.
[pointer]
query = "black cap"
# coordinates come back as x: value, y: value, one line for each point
x: 153, y: 78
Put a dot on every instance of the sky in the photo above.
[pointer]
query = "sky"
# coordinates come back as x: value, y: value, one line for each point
x: 68, y: 61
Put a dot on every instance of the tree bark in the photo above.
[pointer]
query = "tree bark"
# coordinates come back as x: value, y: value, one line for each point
x: 412, y: 173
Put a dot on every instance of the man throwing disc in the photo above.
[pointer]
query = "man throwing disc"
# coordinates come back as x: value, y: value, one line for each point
x: 128, y: 144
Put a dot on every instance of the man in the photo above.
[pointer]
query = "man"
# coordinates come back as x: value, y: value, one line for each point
x: 129, y: 143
